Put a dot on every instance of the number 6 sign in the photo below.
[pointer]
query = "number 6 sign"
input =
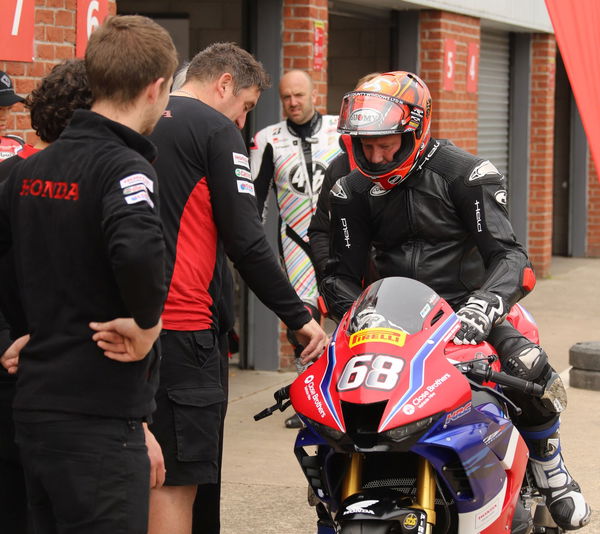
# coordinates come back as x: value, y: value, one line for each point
x: 16, y: 30
x: 90, y: 14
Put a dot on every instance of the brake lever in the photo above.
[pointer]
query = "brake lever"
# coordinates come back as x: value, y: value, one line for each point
x: 282, y: 403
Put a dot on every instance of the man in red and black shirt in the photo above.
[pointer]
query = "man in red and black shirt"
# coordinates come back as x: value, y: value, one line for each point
x: 209, y: 212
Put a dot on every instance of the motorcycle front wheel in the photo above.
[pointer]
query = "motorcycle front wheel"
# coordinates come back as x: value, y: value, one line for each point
x: 370, y: 527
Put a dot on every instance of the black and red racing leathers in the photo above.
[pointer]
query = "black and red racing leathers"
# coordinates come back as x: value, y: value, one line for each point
x: 446, y: 226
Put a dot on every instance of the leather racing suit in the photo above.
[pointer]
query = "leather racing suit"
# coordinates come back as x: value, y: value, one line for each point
x: 293, y: 158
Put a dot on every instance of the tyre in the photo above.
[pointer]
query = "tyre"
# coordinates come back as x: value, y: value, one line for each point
x: 371, y: 527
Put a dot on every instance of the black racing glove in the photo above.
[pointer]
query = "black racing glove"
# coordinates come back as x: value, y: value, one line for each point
x: 482, y: 311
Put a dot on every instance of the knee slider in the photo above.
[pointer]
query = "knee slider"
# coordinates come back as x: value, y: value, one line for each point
x: 554, y: 398
x: 529, y: 363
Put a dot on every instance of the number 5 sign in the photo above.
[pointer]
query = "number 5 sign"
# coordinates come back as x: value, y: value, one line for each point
x: 90, y: 14
x: 449, y: 64
x: 16, y: 30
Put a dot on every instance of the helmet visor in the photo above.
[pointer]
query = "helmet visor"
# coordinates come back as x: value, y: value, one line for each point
x: 366, y: 113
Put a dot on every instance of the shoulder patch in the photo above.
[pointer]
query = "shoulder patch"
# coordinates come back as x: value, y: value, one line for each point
x: 338, y: 191
x: 483, y: 169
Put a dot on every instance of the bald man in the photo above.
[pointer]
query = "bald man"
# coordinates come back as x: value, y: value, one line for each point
x: 292, y: 156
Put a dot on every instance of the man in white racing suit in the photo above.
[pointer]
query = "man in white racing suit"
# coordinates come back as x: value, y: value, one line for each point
x: 291, y: 156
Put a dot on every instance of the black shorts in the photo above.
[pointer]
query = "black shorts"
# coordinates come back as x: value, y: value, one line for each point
x: 190, y: 407
x: 85, y: 474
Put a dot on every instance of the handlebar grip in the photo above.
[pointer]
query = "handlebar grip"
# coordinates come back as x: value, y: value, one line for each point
x: 526, y: 386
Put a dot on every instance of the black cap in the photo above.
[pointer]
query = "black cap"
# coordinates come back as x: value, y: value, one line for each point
x: 7, y: 92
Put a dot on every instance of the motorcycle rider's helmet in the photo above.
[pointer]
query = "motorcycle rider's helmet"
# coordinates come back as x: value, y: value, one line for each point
x: 392, y: 103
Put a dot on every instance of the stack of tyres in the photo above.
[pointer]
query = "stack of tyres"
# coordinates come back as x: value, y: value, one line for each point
x: 585, y: 365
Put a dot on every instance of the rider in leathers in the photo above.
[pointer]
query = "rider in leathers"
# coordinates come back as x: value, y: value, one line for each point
x: 291, y: 156
x: 436, y: 213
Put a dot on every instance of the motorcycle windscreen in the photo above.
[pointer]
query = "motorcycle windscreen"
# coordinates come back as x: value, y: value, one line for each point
x: 396, y: 303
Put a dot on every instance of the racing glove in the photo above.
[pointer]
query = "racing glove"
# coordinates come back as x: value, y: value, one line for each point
x: 482, y: 311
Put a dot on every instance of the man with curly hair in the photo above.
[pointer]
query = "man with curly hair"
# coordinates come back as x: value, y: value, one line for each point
x: 51, y: 106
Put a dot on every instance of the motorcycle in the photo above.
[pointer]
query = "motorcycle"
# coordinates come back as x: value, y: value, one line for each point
x: 406, y: 432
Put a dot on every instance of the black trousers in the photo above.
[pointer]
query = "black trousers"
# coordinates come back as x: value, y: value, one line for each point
x: 85, y: 474
x: 13, y: 501
x: 207, y: 506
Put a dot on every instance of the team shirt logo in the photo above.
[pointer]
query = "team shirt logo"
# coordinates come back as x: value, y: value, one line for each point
x: 245, y: 187
x: 137, y: 179
x: 240, y: 159
x: 243, y: 174
x: 135, y: 189
x: 142, y: 196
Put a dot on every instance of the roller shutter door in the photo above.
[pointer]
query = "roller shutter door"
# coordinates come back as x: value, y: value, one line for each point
x: 494, y: 92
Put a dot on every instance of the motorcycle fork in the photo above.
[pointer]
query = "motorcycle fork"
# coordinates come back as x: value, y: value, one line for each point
x: 353, y: 479
x: 425, y: 485
x: 426, y: 491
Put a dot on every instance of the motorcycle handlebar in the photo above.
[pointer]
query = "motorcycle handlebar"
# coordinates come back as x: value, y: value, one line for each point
x: 485, y: 373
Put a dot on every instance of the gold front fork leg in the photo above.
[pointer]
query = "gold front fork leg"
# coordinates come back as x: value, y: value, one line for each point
x: 426, y: 490
x: 353, y: 479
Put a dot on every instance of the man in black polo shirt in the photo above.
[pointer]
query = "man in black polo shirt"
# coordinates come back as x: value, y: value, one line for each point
x: 89, y: 256
x: 51, y: 106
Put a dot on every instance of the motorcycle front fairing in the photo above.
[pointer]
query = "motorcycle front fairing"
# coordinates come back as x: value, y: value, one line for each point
x: 384, y: 385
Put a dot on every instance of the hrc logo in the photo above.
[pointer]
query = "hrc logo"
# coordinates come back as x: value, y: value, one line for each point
x: 378, y: 335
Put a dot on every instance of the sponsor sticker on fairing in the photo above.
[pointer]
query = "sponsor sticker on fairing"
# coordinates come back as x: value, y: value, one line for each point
x: 378, y: 335
x: 137, y: 179
x: 142, y: 196
x: 240, y: 159
x: 245, y: 187
x: 241, y: 173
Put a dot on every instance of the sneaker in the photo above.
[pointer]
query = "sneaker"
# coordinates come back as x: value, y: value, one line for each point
x: 563, y: 495
x: 294, y: 422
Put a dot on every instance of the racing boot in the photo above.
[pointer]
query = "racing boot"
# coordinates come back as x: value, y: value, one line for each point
x: 563, y: 495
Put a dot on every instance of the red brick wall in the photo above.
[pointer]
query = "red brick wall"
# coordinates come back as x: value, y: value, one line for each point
x: 543, y: 67
x: 299, y: 17
x: 54, y: 41
x: 454, y: 112
x: 593, y: 229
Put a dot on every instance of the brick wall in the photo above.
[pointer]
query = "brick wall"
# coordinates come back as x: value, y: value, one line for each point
x: 593, y: 228
x: 299, y: 17
x: 54, y: 41
x: 454, y: 112
x: 543, y: 68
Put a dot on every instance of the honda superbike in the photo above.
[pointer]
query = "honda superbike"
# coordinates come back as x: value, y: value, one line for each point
x: 407, y: 432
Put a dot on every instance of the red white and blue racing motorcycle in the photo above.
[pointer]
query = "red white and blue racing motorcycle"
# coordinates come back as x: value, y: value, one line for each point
x: 411, y: 433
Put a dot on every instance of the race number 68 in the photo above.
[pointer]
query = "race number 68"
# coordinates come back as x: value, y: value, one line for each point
x: 375, y: 371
